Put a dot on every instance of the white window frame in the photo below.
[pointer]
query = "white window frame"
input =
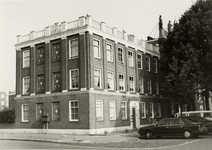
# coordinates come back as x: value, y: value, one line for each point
x: 140, y: 60
x: 100, y: 80
x: 141, y: 85
x: 110, y: 78
x: 96, y: 54
x: 148, y: 64
x: 99, y: 111
x: 70, y: 78
x: 26, y: 58
x: 73, y: 107
x: 130, y: 58
x: 123, y: 81
x: 25, y: 84
x: 109, y: 52
x: 151, y: 109
x: 158, y: 110
x: 122, y: 55
x: 125, y: 110
x: 149, y: 87
x: 143, y: 110
x: 24, y: 112
x: 131, y: 84
x: 71, y: 56
x: 155, y: 65
x: 112, y: 109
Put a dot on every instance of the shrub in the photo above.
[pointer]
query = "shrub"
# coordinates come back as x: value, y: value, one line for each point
x: 7, y: 116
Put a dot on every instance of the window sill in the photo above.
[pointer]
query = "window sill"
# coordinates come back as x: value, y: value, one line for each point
x: 73, y: 120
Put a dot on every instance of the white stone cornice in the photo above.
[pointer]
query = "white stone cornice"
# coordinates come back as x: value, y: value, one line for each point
x: 82, y: 33
x: 64, y: 38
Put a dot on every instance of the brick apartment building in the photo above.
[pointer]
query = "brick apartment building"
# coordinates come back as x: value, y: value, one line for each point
x: 87, y: 78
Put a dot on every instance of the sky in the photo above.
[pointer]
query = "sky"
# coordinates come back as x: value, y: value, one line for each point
x: 20, y: 17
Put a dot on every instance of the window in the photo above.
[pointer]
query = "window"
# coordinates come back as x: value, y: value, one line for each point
x: 39, y: 111
x: 2, y: 103
x: 74, y: 79
x: 143, y: 110
x: 56, y: 111
x: 40, y: 84
x: 40, y: 55
x: 120, y: 56
x: 96, y: 48
x: 121, y: 82
x: 158, y: 110
x: 74, y: 110
x: 155, y: 66
x: 149, y: 87
x: 151, y: 110
x: 140, y: 64
x: 112, y: 106
x: 25, y: 113
x: 97, y: 79
x: 26, y: 58
x: 26, y: 83
x: 147, y: 64
x: 2, y: 96
x: 130, y: 58
x: 73, y: 48
x: 140, y: 85
x: 123, y: 110
x: 156, y: 88
x: 109, y: 52
x: 56, y: 82
x: 99, y: 110
x: 56, y: 52
x: 132, y: 86
x: 110, y: 81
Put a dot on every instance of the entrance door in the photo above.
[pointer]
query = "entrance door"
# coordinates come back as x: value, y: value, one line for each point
x: 134, y: 118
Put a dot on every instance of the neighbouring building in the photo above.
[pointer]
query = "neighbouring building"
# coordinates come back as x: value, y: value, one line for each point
x: 87, y: 78
x: 3, y: 100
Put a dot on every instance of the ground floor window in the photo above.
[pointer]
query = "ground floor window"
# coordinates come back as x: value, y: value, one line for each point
x: 112, y: 106
x: 74, y: 110
x: 143, y: 110
x: 158, y: 110
x: 25, y: 112
x: 39, y: 111
x: 99, y: 110
x: 123, y: 110
x: 151, y: 110
x: 56, y: 111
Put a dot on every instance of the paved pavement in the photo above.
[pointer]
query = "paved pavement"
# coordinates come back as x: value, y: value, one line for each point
x: 112, y: 140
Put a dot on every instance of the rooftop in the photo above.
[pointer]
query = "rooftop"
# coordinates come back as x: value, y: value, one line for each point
x: 85, y: 21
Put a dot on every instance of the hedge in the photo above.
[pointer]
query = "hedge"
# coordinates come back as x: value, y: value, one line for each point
x: 7, y: 116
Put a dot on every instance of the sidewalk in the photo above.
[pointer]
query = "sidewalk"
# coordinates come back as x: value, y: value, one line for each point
x: 67, y: 138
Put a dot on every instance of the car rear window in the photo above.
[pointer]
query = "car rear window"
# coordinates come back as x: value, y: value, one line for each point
x: 189, y: 121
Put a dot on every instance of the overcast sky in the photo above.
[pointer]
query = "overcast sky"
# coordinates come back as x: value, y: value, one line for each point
x: 20, y: 17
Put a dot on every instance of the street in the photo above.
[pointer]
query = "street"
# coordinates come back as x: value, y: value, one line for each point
x: 166, y: 143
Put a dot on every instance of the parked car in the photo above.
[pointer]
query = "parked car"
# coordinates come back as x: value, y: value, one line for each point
x: 173, y: 127
x: 205, y: 121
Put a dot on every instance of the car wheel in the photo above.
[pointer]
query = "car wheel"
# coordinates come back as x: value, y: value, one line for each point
x: 187, y: 134
x: 148, y: 134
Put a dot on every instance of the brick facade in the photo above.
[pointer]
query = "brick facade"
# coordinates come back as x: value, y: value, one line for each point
x: 57, y: 65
